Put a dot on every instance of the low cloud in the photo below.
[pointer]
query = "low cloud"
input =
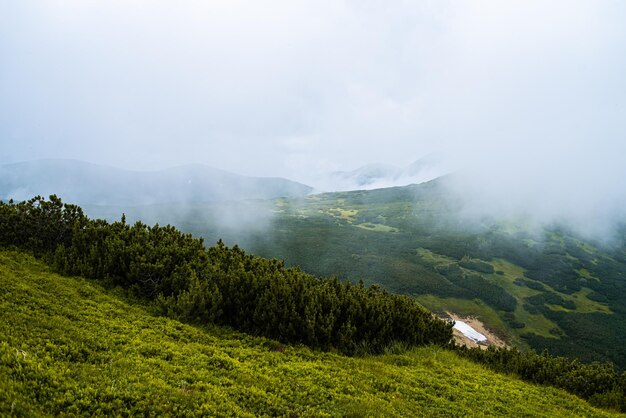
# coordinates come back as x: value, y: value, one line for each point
x: 525, y: 99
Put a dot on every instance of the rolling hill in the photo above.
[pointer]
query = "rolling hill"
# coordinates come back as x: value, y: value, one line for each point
x: 69, y: 346
x: 545, y: 288
x: 90, y: 184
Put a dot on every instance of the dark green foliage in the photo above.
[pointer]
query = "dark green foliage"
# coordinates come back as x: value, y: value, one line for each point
x: 510, y: 318
x: 324, y: 235
x: 531, y: 284
x: 227, y: 286
x: 219, y: 285
x: 516, y: 324
x: 71, y: 348
x: 597, y: 382
x: 535, y: 309
x: 586, y: 330
x: 39, y: 225
x: 550, y: 298
x: 550, y: 261
x: 477, y: 265
x: 475, y: 286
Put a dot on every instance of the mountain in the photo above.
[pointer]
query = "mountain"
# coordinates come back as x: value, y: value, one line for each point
x: 71, y: 347
x: 91, y: 184
x: 375, y: 176
x: 534, y: 286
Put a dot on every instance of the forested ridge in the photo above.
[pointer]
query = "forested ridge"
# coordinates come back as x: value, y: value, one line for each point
x: 226, y: 286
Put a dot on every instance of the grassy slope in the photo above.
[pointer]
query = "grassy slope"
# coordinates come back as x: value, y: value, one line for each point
x: 67, y: 346
x: 400, y: 237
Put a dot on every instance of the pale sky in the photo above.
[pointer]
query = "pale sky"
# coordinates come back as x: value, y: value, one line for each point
x: 528, y: 94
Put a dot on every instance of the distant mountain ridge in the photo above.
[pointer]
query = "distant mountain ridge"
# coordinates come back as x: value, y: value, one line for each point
x: 87, y: 183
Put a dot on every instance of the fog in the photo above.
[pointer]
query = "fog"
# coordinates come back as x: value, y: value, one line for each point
x: 525, y: 100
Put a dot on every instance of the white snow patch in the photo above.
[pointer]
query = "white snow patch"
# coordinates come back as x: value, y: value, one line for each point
x: 469, y: 332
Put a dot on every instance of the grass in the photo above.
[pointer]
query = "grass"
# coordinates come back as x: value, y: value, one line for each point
x: 586, y: 305
x: 395, y: 237
x: 432, y: 259
x: 70, y: 347
x: 469, y: 307
x: 376, y: 227
x: 347, y: 215
x: 535, y: 323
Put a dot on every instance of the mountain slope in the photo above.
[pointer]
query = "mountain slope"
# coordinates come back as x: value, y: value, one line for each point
x: 86, y: 183
x: 68, y: 346
x: 548, y: 289
x: 543, y: 288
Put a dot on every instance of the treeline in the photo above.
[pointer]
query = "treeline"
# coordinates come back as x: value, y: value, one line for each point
x: 599, y: 383
x: 218, y: 285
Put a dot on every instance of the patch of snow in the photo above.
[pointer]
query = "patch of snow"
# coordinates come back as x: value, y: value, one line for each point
x: 469, y: 332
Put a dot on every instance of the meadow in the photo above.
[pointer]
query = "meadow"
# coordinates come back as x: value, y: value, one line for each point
x: 72, y: 347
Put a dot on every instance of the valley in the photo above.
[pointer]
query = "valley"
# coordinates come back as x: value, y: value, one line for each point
x: 174, y: 276
x: 542, y: 288
x: 313, y: 209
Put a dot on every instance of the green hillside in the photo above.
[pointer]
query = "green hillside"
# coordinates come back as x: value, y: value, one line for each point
x: 548, y: 289
x: 544, y: 288
x: 70, y: 347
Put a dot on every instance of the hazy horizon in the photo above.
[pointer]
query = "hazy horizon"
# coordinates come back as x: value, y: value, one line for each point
x: 527, y: 98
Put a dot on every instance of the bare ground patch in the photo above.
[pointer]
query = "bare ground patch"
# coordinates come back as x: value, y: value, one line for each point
x: 459, y: 338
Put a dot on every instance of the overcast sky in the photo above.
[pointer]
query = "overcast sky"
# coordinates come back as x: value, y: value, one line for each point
x: 527, y: 93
